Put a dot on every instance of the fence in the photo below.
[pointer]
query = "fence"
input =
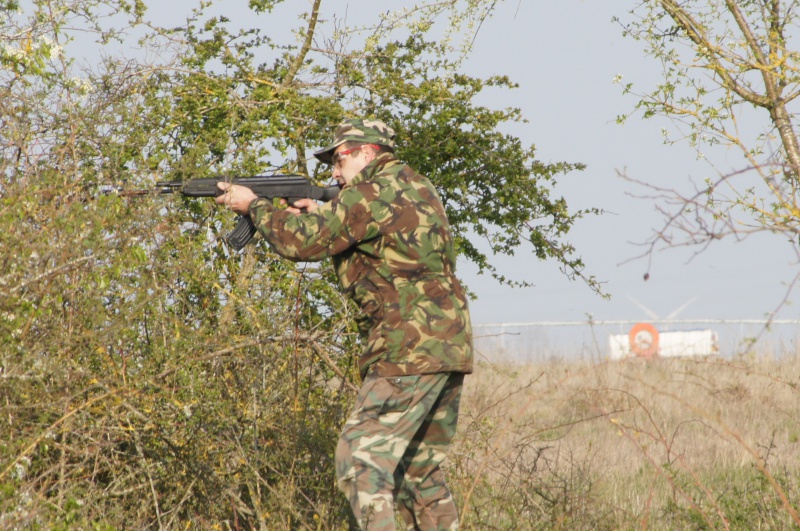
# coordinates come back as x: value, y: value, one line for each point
x: 571, y: 340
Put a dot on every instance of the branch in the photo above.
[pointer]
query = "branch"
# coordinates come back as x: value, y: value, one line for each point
x: 777, y: 107
x: 697, y: 35
x: 66, y: 267
x: 310, y: 339
x: 35, y: 443
x: 772, y: 100
x: 301, y: 56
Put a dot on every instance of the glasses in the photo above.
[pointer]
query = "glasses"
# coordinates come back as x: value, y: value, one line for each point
x: 337, y: 157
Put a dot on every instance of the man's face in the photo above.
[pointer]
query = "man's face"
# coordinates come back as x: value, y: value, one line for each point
x: 347, y: 163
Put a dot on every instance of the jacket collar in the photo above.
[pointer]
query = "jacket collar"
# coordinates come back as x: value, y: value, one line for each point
x: 380, y: 163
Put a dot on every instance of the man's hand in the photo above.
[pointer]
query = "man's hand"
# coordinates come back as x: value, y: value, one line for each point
x: 237, y: 198
x: 303, y: 205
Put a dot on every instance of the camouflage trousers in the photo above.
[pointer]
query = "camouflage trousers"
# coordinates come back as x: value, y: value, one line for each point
x: 391, y: 448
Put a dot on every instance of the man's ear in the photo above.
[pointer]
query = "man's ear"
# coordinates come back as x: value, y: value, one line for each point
x: 370, y: 153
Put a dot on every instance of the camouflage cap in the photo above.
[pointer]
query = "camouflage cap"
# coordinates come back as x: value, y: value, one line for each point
x: 367, y: 131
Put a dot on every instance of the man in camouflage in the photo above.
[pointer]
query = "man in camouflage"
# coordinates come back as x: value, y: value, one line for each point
x: 388, y: 237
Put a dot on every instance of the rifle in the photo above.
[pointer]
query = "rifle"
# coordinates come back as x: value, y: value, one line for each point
x: 289, y: 187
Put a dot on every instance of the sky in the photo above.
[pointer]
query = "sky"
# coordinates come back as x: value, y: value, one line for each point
x: 565, y: 55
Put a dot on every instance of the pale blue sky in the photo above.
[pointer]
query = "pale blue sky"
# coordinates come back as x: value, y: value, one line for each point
x: 565, y: 55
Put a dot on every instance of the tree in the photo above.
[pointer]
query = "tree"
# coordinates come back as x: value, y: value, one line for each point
x: 492, y: 185
x: 730, y: 80
x: 150, y: 376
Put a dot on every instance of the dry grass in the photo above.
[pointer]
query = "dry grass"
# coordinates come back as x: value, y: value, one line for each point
x: 688, y: 443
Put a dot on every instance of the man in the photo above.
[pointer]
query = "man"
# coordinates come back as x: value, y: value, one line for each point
x: 388, y: 237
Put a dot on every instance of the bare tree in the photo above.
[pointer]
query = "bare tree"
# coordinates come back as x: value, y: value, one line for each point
x: 730, y: 80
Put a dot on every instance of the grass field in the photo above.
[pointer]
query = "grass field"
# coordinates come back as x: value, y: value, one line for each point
x: 688, y: 443
x: 245, y: 441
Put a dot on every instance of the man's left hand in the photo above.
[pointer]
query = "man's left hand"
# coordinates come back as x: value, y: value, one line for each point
x: 237, y: 198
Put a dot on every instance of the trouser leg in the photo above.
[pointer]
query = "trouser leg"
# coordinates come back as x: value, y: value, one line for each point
x: 423, y: 499
x: 387, y: 416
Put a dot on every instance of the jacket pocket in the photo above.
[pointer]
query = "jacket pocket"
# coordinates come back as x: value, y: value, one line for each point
x: 399, y: 393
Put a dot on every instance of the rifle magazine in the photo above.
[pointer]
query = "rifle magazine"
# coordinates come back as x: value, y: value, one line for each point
x: 242, y: 233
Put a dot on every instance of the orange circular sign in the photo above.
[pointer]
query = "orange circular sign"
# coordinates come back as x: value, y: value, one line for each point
x: 643, y: 339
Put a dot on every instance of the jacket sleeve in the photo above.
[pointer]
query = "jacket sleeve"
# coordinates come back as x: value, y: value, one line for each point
x: 330, y: 230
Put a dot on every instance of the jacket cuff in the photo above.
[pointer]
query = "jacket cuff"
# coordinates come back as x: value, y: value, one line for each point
x: 259, y: 207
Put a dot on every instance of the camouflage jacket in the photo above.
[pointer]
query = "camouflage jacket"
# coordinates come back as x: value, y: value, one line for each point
x: 388, y: 236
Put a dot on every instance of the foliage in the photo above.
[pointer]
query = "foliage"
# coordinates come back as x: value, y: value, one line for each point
x: 730, y: 79
x: 148, y: 376
x: 745, y: 499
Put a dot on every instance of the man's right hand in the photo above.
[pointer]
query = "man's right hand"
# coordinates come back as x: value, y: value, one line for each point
x: 302, y: 206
